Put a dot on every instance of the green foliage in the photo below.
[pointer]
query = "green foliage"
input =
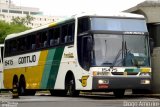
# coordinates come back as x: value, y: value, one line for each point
x: 7, y: 28
x: 17, y: 25
x: 28, y: 19
x: 18, y: 20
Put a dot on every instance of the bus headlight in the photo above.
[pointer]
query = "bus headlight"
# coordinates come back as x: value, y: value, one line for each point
x: 103, y: 81
x: 145, y: 81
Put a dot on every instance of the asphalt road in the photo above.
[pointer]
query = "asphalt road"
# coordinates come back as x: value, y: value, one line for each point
x: 107, y: 100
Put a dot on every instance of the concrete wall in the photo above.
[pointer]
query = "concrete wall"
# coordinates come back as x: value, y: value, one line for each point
x: 152, y: 14
x: 156, y: 70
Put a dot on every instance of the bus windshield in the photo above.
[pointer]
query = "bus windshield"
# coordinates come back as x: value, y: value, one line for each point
x: 120, y: 50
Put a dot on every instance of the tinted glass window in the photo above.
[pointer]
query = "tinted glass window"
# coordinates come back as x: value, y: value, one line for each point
x: 83, y: 25
x: 111, y: 24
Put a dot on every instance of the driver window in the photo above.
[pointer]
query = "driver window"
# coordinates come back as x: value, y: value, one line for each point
x: 84, y: 51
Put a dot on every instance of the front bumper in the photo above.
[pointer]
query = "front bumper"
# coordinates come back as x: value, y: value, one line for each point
x: 121, y: 83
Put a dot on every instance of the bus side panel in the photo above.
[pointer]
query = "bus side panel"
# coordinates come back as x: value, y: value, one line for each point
x: 9, y: 74
x: 51, y: 68
x: 69, y: 62
x: 32, y: 74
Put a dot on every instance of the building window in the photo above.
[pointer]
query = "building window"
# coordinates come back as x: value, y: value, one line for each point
x: 15, y: 11
x: 25, y: 12
x: 4, y: 10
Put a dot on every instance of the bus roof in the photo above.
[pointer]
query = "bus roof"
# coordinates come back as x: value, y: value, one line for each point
x: 118, y: 15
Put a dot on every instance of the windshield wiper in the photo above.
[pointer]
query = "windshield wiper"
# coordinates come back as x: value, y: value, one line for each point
x: 116, y: 58
x: 118, y: 54
x: 106, y: 62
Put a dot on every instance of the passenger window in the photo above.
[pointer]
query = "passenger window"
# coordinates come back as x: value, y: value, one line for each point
x: 37, y: 41
x: 51, y: 37
x: 27, y: 42
x: 64, y: 34
x: 71, y: 30
x: 44, y: 39
x: 21, y: 45
x: 57, y: 36
x: 14, y: 46
x: 33, y: 39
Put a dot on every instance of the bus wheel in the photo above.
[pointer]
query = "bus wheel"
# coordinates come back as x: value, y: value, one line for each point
x: 70, y: 87
x: 15, y: 83
x: 119, y: 93
x: 22, y: 86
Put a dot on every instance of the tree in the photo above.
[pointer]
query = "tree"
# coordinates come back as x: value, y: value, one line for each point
x: 18, y: 20
x: 17, y: 25
x: 23, y: 20
x: 9, y: 28
x: 29, y: 19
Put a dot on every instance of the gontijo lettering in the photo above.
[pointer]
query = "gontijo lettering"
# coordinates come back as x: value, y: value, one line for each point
x: 27, y: 59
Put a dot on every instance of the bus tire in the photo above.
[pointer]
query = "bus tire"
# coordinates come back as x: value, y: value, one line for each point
x: 70, y: 87
x: 22, y: 91
x: 22, y: 86
x: 15, y: 82
x: 119, y: 93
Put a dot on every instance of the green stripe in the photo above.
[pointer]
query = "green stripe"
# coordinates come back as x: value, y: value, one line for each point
x: 47, y: 68
x: 51, y: 68
x: 132, y: 70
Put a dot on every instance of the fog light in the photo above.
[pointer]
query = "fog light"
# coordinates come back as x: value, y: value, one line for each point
x: 145, y: 81
x: 145, y: 74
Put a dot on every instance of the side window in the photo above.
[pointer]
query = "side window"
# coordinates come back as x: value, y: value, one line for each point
x: 57, y: 36
x: 7, y: 48
x: 84, y: 51
x: 51, y: 37
x: 71, y: 30
x: 83, y: 25
x: 20, y: 44
x: 27, y: 42
x: 64, y: 33
x: 44, y: 36
x: 33, y: 42
x: 38, y: 40
x: 14, y: 46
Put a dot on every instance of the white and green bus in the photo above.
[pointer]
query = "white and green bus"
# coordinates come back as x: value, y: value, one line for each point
x: 88, y: 52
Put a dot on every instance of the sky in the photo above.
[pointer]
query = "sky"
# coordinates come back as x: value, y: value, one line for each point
x: 72, y: 7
